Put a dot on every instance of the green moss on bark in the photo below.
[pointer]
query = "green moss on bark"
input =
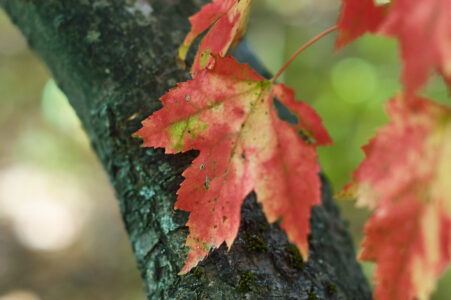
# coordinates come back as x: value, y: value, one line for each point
x: 254, y: 242
x: 294, y: 257
x: 246, y: 282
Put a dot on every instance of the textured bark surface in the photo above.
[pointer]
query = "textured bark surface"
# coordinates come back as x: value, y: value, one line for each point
x: 114, y: 59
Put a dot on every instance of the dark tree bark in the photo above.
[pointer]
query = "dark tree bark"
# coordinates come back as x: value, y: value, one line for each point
x: 114, y: 59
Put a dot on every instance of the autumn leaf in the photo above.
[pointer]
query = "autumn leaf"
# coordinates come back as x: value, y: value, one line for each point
x: 227, y: 19
x: 228, y: 113
x: 423, y: 28
x: 358, y: 17
x: 405, y: 178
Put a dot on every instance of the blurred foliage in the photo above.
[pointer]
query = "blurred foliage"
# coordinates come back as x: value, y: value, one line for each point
x: 45, y: 156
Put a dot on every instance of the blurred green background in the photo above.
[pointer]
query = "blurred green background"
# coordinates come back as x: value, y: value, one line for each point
x: 61, y: 236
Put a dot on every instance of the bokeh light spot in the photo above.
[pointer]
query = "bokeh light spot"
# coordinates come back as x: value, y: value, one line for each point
x: 20, y: 295
x: 46, y: 211
x: 56, y: 108
x: 354, y: 80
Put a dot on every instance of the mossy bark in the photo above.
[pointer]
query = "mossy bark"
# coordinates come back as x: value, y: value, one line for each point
x: 114, y: 59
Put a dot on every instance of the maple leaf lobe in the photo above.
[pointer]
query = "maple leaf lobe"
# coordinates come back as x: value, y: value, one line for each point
x: 358, y: 17
x: 422, y: 28
x: 225, y: 21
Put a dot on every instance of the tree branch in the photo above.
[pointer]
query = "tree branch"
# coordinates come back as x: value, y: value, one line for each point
x: 114, y: 59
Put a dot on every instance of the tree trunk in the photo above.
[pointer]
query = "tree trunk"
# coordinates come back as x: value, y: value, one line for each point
x: 114, y: 59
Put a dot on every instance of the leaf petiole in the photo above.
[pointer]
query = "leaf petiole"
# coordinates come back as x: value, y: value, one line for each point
x: 305, y: 46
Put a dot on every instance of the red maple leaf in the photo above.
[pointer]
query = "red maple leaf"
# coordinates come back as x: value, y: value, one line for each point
x: 227, y: 19
x: 405, y: 178
x: 423, y: 28
x: 358, y: 17
x: 228, y: 114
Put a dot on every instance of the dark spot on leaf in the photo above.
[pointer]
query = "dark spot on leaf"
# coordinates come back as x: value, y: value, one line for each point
x: 206, y: 184
x: 306, y: 136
